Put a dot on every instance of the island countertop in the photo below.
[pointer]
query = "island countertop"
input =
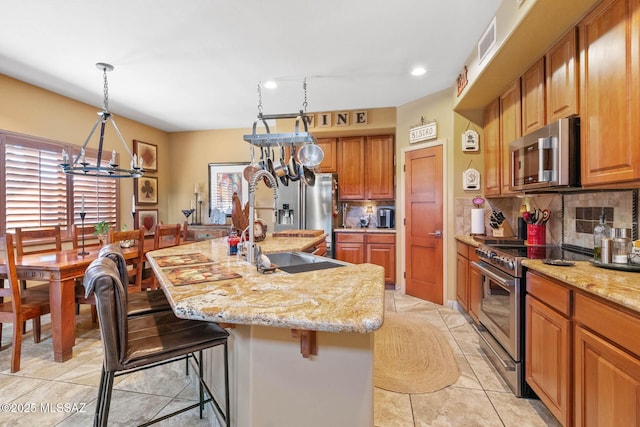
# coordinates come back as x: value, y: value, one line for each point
x: 344, y: 299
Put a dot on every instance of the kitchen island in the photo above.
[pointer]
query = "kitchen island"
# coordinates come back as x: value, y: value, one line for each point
x: 301, y: 345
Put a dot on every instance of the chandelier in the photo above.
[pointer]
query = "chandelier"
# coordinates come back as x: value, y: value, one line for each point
x: 80, y: 166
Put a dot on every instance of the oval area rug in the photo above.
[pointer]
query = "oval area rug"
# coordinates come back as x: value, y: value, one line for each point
x: 412, y: 356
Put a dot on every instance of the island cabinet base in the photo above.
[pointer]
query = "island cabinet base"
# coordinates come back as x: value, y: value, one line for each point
x: 273, y: 385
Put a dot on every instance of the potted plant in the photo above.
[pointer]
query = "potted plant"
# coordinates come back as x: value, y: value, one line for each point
x: 102, y: 228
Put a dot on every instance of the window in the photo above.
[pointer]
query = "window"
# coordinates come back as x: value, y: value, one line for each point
x: 36, y: 193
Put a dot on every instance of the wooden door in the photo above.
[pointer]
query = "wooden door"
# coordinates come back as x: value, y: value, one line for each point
x: 533, y: 98
x: 607, y: 382
x: 330, y: 162
x: 492, y: 149
x: 562, y: 78
x: 381, y: 250
x: 610, y: 93
x: 510, y: 130
x: 379, y: 170
x: 423, y: 210
x: 351, y: 183
x: 548, y: 368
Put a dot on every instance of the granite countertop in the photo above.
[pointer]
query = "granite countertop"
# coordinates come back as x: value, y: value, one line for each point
x: 344, y: 299
x: 364, y: 230
x: 620, y: 287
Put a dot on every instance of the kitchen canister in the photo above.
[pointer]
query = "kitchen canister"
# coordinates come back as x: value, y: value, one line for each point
x: 536, y: 234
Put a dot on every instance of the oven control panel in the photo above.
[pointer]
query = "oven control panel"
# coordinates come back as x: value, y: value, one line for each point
x: 505, y: 263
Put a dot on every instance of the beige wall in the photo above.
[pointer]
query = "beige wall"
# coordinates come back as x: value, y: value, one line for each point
x: 33, y: 111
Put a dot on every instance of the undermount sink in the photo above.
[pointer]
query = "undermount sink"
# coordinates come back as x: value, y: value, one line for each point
x: 298, y: 262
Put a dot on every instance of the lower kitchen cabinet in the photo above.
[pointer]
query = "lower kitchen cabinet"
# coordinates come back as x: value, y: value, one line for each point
x: 374, y: 248
x: 468, y: 286
x: 548, y: 344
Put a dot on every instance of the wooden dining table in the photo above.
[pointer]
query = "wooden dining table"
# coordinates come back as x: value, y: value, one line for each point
x: 60, y: 269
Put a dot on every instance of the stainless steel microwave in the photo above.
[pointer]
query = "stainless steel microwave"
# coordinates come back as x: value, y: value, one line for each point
x: 548, y: 157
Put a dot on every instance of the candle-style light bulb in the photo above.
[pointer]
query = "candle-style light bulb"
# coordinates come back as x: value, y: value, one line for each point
x: 82, y: 158
x: 113, y: 157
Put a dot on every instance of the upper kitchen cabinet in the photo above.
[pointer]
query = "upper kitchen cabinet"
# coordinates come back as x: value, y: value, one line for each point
x: 492, y: 149
x: 510, y: 130
x: 610, y: 93
x: 366, y: 168
x: 562, y: 78
x: 533, y: 98
x: 330, y: 162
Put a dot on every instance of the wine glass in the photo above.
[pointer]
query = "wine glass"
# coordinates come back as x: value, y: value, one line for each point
x: 187, y: 212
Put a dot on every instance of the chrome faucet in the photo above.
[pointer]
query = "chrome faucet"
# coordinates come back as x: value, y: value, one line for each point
x: 253, y: 255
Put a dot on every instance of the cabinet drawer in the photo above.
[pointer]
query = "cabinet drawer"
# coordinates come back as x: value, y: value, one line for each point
x: 381, y: 238
x: 549, y: 292
x: 609, y: 321
x: 350, y: 237
x: 462, y: 249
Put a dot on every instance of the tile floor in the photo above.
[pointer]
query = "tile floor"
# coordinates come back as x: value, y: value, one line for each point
x: 478, y: 398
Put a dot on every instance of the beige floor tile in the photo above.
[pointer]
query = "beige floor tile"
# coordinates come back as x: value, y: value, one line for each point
x: 392, y: 409
x: 454, y: 407
x: 469, y: 342
x: 487, y: 374
x: 516, y: 412
x: 468, y: 378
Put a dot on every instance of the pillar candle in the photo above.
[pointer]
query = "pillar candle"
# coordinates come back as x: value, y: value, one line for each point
x: 133, y: 204
x: 82, y: 207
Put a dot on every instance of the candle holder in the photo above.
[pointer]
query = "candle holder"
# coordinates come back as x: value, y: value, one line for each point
x: 83, y: 252
x: 199, y: 212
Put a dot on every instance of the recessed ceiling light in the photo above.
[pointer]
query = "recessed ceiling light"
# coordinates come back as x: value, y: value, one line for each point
x: 418, y: 71
x: 270, y: 84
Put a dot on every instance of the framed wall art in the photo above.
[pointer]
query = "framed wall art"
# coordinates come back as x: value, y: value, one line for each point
x: 148, y: 153
x: 146, y: 219
x: 224, y: 180
x: 146, y: 189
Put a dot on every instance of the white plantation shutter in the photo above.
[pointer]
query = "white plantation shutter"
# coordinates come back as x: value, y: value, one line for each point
x: 36, y: 193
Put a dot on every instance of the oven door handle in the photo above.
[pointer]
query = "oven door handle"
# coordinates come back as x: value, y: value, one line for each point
x: 504, y: 282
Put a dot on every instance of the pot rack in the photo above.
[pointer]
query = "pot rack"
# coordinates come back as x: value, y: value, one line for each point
x: 269, y: 139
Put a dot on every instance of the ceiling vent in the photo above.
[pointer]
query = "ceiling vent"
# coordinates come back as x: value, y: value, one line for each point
x: 487, y: 41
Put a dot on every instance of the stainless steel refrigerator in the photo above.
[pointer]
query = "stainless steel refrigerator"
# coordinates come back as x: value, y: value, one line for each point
x: 305, y: 207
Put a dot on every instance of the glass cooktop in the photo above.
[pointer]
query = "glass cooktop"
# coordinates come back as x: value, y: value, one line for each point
x: 554, y: 252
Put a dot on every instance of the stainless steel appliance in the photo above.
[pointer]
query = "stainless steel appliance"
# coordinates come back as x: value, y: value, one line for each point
x: 502, y: 329
x: 386, y: 218
x: 301, y: 206
x: 548, y: 157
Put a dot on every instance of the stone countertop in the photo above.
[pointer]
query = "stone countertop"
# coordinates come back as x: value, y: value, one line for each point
x: 364, y: 230
x: 620, y: 287
x: 344, y: 299
x: 469, y: 240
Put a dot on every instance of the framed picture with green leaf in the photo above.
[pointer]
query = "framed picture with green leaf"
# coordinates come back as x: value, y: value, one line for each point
x: 146, y: 190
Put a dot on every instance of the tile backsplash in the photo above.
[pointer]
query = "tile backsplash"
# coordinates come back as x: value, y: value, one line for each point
x: 573, y: 215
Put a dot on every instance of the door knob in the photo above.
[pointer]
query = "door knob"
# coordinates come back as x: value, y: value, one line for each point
x: 437, y: 233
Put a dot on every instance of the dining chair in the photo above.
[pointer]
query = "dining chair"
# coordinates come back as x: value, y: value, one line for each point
x: 21, y: 307
x: 165, y: 236
x: 135, y: 343
x: 37, y: 241
x: 85, y: 232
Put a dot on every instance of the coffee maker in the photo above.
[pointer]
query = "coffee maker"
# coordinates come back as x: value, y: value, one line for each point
x: 386, y: 218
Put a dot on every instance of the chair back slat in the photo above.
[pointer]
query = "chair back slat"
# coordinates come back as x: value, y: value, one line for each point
x: 9, y: 268
x: 136, y: 237
x: 38, y: 240
x: 166, y: 235
x: 86, y: 231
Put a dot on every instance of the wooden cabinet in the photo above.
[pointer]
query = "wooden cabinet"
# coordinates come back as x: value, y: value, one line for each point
x: 510, y: 130
x: 548, y: 344
x: 607, y: 367
x: 561, y: 75
x: 533, y: 98
x: 330, y: 148
x: 468, y: 285
x: 374, y: 248
x: 492, y: 157
x: 366, y: 168
x: 610, y: 93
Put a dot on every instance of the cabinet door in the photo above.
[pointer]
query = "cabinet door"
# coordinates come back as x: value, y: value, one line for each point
x: 350, y: 252
x: 351, y: 161
x: 475, y: 288
x: 562, y: 83
x: 379, y: 170
x: 548, y: 367
x: 462, y: 281
x: 492, y: 149
x: 330, y: 162
x: 381, y: 250
x: 610, y: 93
x: 607, y: 382
x: 510, y: 130
x: 533, y: 98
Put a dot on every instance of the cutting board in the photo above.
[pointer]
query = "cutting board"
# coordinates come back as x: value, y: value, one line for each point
x: 298, y: 233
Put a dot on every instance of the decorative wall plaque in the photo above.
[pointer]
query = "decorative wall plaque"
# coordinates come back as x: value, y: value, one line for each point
x: 423, y: 133
x: 470, y: 140
x: 471, y: 179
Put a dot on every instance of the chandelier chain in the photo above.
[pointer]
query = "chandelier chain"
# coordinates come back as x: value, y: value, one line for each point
x: 259, y: 98
x: 304, y: 87
x: 106, y: 90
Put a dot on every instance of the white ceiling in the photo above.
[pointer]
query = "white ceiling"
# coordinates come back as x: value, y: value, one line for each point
x: 196, y: 64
